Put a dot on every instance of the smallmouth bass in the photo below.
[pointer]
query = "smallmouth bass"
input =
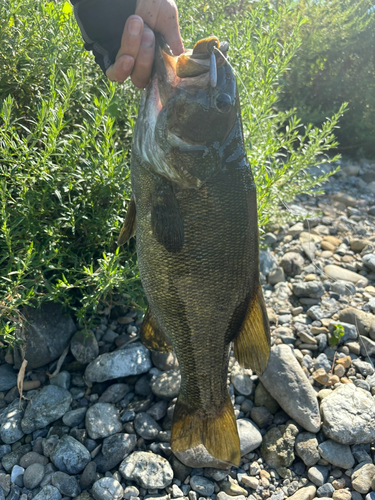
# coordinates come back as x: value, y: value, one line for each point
x: 194, y: 214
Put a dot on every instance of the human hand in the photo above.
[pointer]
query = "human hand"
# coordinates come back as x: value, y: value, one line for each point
x: 136, y: 54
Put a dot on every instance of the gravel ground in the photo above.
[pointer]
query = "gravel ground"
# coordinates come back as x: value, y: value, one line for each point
x: 101, y: 427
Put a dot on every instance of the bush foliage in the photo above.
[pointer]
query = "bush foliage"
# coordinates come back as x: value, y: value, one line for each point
x: 65, y: 137
x: 336, y: 64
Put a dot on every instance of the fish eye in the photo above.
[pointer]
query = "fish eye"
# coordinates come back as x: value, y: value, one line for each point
x: 223, y: 103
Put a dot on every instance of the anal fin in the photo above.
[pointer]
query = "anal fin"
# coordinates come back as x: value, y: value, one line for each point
x: 129, y: 226
x: 205, y: 439
x: 252, y: 344
x: 151, y: 335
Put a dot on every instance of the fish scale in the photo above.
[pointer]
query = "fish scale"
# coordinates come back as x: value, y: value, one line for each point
x: 197, y: 246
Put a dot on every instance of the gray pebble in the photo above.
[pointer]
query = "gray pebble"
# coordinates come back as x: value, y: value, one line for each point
x: 48, y: 405
x: 8, y: 377
x: 322, y: 362
x: 202, y: 485
x: 15, y: 492
x: 318, y: 474
x: 10, y: 459
x: 67, y: 485
x: 10, y: 430
x: 242, y: 383
x: 326, y: 490
x: 62, y: 379
x: 4, y: 450
x: 336, y: 454
x: 84, y: 346
x: 167, y: 384
x: 146, y: 426
x: 32, y: 458
x: 5, y: 483
x: 70, y: 456
x: 114, y: 393
x: 164, y: 360
x: 16, y: 472
x: 306, y: 448
x: 48, y: 493
x: 250, y: 437
x: 148, y: 470
x: 115, y: 448
x: 33, y: 475
x: 102, y: 420
x: 107, y: 488
x: 158, y: 410
x: 73, y: 418
x: 133, y: 359
x: 88, y: 476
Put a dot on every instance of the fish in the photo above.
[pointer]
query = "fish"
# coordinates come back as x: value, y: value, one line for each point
x: 194, y: 214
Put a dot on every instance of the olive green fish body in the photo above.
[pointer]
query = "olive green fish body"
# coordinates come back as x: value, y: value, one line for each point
x: 197, y: 246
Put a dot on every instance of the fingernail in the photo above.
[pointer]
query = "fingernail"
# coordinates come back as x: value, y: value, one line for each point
x: 127, y: 63
x: 135, y: 27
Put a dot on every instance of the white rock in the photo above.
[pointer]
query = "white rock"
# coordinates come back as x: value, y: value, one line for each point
x: 132, y: 360
x: 349, y: 415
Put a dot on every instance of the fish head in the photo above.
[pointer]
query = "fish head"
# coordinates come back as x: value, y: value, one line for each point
x: 188, y: 113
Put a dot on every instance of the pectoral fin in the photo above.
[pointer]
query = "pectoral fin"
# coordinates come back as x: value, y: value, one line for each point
x: 252, y: 344
x: 129, y: 226
x: 151, y: 335
x: 166, y: 221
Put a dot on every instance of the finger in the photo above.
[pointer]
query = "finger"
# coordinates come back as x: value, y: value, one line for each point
x: 162, y: 16
x: 145, y: 58
x: 168, y: 26
x: 131, y: 37
x: 121, y: 69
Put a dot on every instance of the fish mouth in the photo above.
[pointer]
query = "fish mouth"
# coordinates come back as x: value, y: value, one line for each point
x: 195, y: 68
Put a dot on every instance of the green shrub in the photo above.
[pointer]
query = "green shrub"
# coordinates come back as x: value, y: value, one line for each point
x: 64, y: 148
x: 336, y: 64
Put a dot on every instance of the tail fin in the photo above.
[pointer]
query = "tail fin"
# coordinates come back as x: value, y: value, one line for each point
x: 203, y: 438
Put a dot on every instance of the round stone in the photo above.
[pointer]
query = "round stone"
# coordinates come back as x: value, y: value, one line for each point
x: 336, y: 454
x: 48, y: 493
x: 146, y: 426
x: 167, y: 385
x: 348, y: 415
x: 33, y: 475
x: 250, y: 437
x: 362, y: 478
x: 134, y: 359
x: 306, y: 448
x: 67, y: 485
x: 69, y: 455
x: 107, y: 488
x: 102, y: 420
x: 149, y: 470
x: 73, y: 418
x: 202, y: 485
x: 292, y: 263
x: 84, y: 346
x: 47, y: 405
